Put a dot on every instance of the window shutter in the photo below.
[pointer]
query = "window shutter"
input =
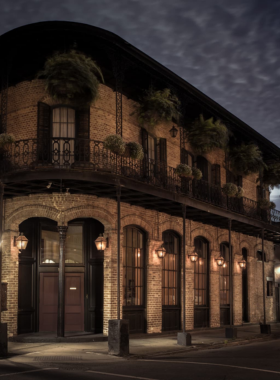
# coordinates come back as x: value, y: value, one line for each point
x: 259, y: 192
x: 216, y: 174
x: 203, y: 165
x: 184, y: 157
x: 82, y: 149
x: 145, y: 162
x: 162, y: 151
x: 239, y: 180
x: 43, y: 132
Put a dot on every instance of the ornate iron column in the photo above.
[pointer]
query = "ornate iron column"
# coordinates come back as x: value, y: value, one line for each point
x: 119, y: 249
x: 61, y: 282
x: 1, y: 243
x: 118, y: 70
x: 263, y: 275
x: 4, y: 98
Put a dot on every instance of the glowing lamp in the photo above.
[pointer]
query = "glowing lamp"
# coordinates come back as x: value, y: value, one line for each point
x: 242, y: 264
x: 21, y: 242
x: 161, y: 252
x: 220, y: 261
x: 193, y: 257
x: 101, y: 243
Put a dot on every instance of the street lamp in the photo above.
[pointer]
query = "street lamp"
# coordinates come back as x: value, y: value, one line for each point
x: 161, y: 251
x: 220, y: 261
x: 173, y: 131
x: 193, y: 257
x: 101, y: 243
x: 242, y: 264
x: 21, y: 242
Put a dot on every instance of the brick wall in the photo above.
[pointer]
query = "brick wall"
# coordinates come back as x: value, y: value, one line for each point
x: 63, y: 208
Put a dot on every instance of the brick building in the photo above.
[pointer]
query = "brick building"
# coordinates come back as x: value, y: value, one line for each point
x: 62, y: 202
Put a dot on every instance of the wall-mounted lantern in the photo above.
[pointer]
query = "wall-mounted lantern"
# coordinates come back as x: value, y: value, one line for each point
x: 21, y: 242
x: 173, y: 131
x: 242, y: 264
x: 193, y: 257
x: 101, y: 243
x: 161, y: 251
x: 220, y: 261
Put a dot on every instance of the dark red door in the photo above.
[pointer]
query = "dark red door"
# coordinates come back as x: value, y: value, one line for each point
x: 48, y: 301
x: 74, y: 302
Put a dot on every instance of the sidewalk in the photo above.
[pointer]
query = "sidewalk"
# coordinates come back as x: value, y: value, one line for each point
x: 145, y: 345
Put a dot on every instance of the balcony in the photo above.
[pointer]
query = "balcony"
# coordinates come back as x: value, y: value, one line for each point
x: 91, y: 156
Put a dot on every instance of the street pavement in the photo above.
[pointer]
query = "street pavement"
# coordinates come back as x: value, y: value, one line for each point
x: 152, y: 358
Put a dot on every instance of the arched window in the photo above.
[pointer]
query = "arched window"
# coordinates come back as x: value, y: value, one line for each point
x: 224, y: 275
x: 133, y: 267
x: 170, y: 269
x: 201, y: 272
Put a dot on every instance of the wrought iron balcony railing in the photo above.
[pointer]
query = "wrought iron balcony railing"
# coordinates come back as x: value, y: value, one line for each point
x: 69, y: 153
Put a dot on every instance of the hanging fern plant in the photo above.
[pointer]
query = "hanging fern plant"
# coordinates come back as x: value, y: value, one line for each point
x: 230, y: 189
x: 135, y: 150
x: 6, y: 140
x: 240, y: 192
x: 115, y: 144
x: 265, y: 204
x: 184, y: 170
x: 205, y: 136
x: 246, y: 159
x: 271, y: 175
x: 71, y: 78
x: 197, y: 174
x: 156, y: 106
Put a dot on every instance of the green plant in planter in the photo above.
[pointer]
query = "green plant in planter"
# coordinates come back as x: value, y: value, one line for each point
x: 230, y: 189
x: 207, y: 135
x: 272, y: 205
x: 246, y: 159
x: 240, y: 192
x: 184, y: 170
x: 71, y: 78
x: 115, y: 144
x: 271, y: 175
x: 6, y: 139
x: 156, y: 106
x: 265, y: 204
x: 135, y: 151
x: 197, y: 174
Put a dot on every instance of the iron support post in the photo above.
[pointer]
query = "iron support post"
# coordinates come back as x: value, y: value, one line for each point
x: 230, y: 273
x: 61, y: 282
x: 119, y: 250
x: 263, y: 275
x: 1, y: 242
x: 184, y: 267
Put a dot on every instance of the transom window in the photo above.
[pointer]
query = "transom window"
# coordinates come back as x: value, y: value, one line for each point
x: 200, y: 272
x: 224, y: 275
x: 170, y: 269
x: 133, y: 267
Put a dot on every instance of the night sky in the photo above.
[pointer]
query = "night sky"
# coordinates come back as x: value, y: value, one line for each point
x: 228, y: 49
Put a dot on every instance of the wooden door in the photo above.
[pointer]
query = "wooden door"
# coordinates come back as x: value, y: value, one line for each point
x: 74, y: 302
x: 48, y: 301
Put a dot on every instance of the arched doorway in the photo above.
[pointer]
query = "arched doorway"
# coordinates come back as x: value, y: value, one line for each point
x: 38, y: 277
x: 225, y: 285
x: 171, y: 307
x: 201, y: 283
x: 245, y: 314
x: 134, y: 278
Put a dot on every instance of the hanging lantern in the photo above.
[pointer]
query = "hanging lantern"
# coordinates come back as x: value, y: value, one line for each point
x: 161, y: 252
x: 21, y: 242
x: 173, y: 131
x: 101, y: 243
x: 193, y: 257
x: 242, y: 264
x: 220, y: 261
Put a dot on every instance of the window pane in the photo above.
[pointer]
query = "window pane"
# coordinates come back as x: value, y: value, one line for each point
x: 74, y: 245
x: 49, y: 247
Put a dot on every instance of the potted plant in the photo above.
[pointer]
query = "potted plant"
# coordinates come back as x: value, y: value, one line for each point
x: 230, y: 189
x: 6, y: 139
x: 184, y: 170
x: 265, y: 204
x: 197, y: 174
x: 246, y: 159
x: 271, y: 175
x: 71, y: 78
x: 240, y: 192
x: 115, y: 144
x: 207, y: 135
x: 135, y: 150
x: 156, y: 106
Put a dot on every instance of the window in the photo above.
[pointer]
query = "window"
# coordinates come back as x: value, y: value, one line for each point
x: 74, y: 245
x: 170, y: 270
x: 224, y: 275
x: 133, y: 267
x: 63, y: 134
x: 200, y: 272
x: 269, y: 288
x: 260, y: 256
x: 49, y: 245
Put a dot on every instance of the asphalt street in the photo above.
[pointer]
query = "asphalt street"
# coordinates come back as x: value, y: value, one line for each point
x: 256, y: 361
